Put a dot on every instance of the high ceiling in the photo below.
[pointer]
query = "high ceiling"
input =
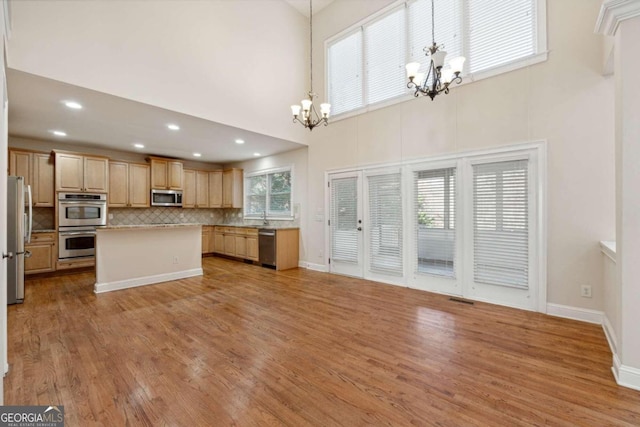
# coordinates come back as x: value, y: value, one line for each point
x: 303, y: 5
x: 36, y: 108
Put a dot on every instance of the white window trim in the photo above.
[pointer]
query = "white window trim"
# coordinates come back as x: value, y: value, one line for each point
x: 541, y: 56
x: 290, y: 169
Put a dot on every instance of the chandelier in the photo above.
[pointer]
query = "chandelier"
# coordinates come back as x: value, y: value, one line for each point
x: 309, y: 117
x: 437, y: 79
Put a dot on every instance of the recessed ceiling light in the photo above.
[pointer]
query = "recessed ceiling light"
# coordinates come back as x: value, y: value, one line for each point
x: 58, y: 133
x: 197, y: 155
x: 257, y: 154
x: 73, y: 104
x: 138, y: 145
x: 173, y: 126
x: 239, y: 141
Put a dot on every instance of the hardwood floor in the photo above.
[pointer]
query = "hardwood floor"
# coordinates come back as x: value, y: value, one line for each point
x: 244, y: 346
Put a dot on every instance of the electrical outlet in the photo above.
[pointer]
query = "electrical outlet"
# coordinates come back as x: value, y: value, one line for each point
x: 175, y: 259
x: 585, y: 291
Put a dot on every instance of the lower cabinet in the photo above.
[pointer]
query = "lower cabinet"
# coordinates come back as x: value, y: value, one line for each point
x: 239, y: 242
x: 206, y: 238
x: 43, y: 253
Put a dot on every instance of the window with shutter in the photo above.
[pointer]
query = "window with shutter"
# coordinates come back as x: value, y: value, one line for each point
x: 344, y: 219
x: 434, y: 201
x: 500, y: 223
x: 385, y: 223
x: 344, y: 65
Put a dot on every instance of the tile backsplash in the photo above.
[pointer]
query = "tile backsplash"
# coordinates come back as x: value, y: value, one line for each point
x: 43, y: 218
x: 164, y: 215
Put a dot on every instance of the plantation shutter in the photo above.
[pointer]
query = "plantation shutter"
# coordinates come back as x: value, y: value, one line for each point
x: 435, y: 212
x: 500, y: 223
x: 344, y: 219
x: 385, y: 47
x: 500, y: 31
x: 385, y: 223
x: 447, y: 34
x: 345, y: 73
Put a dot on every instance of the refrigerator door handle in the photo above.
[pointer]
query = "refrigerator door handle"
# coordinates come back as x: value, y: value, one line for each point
x: 30, y: 219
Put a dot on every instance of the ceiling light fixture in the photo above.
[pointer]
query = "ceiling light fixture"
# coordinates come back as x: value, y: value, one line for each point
x: 310, y: 117
x: 58, y: 133
x: 173, y: 126
x: 138, y: 145
x: 257, y: 154
x: 72, y: 104
x: 239, y: 141
x: 436, y: 80
x: 197, y: 155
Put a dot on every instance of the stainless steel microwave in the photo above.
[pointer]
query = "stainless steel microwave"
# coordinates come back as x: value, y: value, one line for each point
x: 166, y: 198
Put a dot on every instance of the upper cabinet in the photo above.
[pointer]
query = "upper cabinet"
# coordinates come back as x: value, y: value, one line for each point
x: 38, y: 171
x: 129, y: 185
x: 232, y: 188
x: 166, y: 174
x: 215, y: 189
x: 196, y: 189
x: 75, y: 172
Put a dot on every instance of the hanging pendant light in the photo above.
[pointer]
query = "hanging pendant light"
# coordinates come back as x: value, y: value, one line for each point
x: 306, y: 113
x: 437, y: 79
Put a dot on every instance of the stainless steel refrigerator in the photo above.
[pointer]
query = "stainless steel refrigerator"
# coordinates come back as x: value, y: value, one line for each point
x: 19, y: 224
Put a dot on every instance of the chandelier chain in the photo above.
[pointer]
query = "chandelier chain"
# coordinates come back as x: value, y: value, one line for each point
x: 311, y: 42
x: 433, y: 23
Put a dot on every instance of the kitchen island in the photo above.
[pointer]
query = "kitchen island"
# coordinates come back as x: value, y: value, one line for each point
x: 128, y: 256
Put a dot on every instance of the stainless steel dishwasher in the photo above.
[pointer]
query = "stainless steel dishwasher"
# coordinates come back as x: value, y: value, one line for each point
x: 267, y: 247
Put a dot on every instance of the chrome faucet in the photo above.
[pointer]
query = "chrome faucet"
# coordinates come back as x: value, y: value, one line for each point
x: 264, y: 218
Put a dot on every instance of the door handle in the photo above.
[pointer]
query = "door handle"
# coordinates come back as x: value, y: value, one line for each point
x: 7, y: 255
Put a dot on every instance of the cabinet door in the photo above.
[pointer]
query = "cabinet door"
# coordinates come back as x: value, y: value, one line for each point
x: 41, y: 259
x: 218, y: 243
x: 159, y: 174
x: 232, y: 188
x: 118, y: 184
x: 230, y: 244
x: 42, y: 185
x: 139, y: 189
x: 69, y: 172
x: 20, y: 165
x: 215, y: 189
x: 252, y: 248
x: 189, y: 192
x: 241, y: 246
x: 174, y: 173
x: 212, y: 240
x: 96, y: 174
x: 205, y: 240
x: 202, y: 189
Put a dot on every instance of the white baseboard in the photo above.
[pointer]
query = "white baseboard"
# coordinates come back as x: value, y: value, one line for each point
x: 610, y: 334
x: 315, y: 267
x: 626, y: 376
x: 575, y: 313
x: 147, y: 280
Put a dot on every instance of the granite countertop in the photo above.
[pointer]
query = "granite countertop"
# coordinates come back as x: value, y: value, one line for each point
x: 43, y: 231
x: 148, y: 226
x: 270, y: 226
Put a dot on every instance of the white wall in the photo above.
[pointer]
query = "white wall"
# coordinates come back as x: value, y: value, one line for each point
x: 238, y: 63
x: 564, y: 100
x: 299, y: 160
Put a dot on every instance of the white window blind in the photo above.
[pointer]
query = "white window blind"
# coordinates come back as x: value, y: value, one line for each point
x: 385, y: 223
x: 385, y: 55
x: 268, y: 193
x: 500, y: 223
x: 500, y: 31
x: 435, y: 212
x: 447, y: 34
x: 345, y: 73
x: 344, y: 219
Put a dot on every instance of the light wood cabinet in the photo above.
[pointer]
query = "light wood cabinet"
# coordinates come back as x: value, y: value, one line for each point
x: 43, y: 253
x: 129, y: 185
x: 287, y: 248
x: 240, y: 242
x: 166, y: 174
x: 215, y: 189
x: 38, y: 171
x: 232, y: 188
x: 206, y: 236
x: 75, y: 172
x: 42, y: 184
x: 196, y: 189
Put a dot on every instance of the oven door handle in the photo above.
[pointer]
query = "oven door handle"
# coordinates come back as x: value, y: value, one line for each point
x: 77, y: 233
x: 71, y: 202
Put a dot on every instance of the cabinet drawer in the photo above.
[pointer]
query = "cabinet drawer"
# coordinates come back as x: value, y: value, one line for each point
x: 43, y: 237
x: 251, y: 231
